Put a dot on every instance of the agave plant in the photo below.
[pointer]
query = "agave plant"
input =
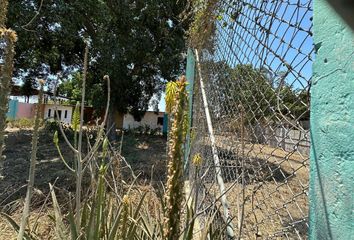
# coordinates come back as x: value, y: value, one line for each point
x: 103, y: 217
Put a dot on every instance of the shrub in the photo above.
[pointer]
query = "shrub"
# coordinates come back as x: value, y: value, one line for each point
x: 52, y: 126
x: 21, y: 123
x: 143, y: 130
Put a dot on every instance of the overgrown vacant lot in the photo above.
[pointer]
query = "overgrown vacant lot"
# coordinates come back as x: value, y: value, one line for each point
x: 146, y: 156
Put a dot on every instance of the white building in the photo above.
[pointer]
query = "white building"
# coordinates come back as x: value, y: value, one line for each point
x: 152, y: 119
x: 64, y: 112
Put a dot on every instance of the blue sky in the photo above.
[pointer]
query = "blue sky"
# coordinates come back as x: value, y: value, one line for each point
x: 289, y: 40
x: 288, y: 43
x: 162, y: 104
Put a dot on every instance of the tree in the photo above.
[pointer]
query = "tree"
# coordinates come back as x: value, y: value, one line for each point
x: 47, y: 40
x: 28, y: 88
x: 72, y: 88
x: 138, y: 43
x: 262, y: 95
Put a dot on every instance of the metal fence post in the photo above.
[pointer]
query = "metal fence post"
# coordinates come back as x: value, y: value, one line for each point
x: 332, y: 127
x: 190, y: 70
x: 216, y: 159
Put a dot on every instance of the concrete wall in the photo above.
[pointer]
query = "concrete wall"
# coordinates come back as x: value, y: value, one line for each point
x: 289, y: 139
x: 18, y: 110
x: 11, y: 113
x: 49, y: 110
x: 332, y: 127
x: 150, y: 119
x: 25, y: 110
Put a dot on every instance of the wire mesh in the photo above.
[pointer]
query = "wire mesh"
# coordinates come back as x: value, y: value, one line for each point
x: 256, y: 70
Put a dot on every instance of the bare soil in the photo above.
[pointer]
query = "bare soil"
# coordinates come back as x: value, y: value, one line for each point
x: 145, y: 154
x: 275, y: 192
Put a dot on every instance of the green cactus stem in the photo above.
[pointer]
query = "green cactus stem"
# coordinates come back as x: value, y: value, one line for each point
x: 6, y: 71
x: 175, y: 181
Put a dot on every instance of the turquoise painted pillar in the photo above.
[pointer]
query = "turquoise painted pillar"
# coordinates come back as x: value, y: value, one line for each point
x: 190, y: 71
x: 13, y: 108
x: 165, y: 125
x: 332, y: 127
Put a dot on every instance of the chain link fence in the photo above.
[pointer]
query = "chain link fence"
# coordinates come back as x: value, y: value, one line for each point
x: 250, y: 118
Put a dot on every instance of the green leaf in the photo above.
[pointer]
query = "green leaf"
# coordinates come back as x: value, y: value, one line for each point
x: 76, y: 117
x: 73, y: 231
x: 55, y: 138
x: 190, y: 220
x: 60, y: 228
x: 136, y: 214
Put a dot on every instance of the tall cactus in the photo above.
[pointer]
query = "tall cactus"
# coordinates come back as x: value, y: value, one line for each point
x: 176, y: 99
x: 3, y: 12
x: 9, y: 37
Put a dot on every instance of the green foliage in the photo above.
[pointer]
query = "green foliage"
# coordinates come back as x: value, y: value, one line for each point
x: 50, y: 41
x: 21, y: 123
x: 144, y: 130
x: 76, y: 117
x: 56, y: 138
x: 175, y: 182
x: 139, y: 44
x: 72, y: 88
x: 171, y: 91
x: 273, y: 98
x: 105, y: 216
x: 203, y: 26
x: 252, y: 91
x: 52, y: 126
x: 261, y: 96
x: 28, y: 87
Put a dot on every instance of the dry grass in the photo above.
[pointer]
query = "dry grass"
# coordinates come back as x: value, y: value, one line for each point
x: 44, y: 226
x: 276, y: 203
x: 148, y: 163
x: 147, y: 156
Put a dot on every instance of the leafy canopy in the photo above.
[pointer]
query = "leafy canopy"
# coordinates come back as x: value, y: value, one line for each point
x: 261, y: 96
x: 138, y: 43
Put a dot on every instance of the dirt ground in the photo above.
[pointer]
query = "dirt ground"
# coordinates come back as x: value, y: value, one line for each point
x: 275, y: 192
x: 145, y: 154
x: 275, y: 208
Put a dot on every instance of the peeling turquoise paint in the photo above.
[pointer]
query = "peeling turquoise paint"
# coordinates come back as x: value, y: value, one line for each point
x: 13, y: 108
x: 165, y: 125
x: 332, y: 127
x: 190, y: 74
